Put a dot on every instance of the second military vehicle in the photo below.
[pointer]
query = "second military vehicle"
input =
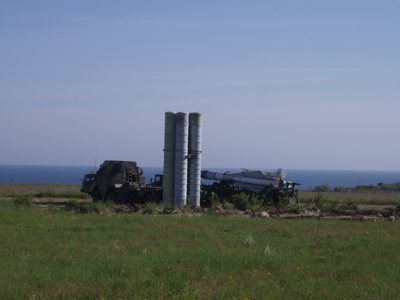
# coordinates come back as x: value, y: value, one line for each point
x: 268, y: 186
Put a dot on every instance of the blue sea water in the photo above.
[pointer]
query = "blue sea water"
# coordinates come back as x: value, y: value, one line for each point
x: 307, y: 178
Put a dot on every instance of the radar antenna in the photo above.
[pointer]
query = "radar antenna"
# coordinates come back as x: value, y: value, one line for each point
x: 95, y: 162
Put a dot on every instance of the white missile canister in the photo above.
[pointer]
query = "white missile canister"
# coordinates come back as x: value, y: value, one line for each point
x: 169, y: 158
x: 181, y: 153
x: 195, y: 132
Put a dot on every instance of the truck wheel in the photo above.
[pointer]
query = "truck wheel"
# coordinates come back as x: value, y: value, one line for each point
x: 111, y: 197
x: 133, y: 198
x: 149, y: 198
x: 96, y: 196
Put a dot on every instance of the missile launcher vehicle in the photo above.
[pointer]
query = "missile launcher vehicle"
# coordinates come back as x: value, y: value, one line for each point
x: 270, y: 186
x: 122, y: 181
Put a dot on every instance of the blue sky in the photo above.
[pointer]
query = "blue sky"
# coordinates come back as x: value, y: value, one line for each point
x: 280, y: 84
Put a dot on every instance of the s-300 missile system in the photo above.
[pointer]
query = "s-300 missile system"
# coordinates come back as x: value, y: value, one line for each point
x: 122, y: 181
x: 269, y: 186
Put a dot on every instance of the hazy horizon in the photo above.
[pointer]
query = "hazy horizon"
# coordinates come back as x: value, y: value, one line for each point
x: 207, y: 168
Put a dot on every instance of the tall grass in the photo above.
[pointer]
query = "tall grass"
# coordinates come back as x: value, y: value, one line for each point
x: 43, y: 191
x: 355, y: 198
x: 59, y: 255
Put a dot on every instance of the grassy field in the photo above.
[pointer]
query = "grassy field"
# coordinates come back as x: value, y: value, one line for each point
x: 376, y: 198
x: 72, y: 191
x: 62, y: 255
x: 43, y: 190
x: 23, y: 188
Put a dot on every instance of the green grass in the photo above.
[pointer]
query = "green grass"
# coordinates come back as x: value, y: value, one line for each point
x: 60, y: 255
x: 43, y: 191
x: 373, y: 198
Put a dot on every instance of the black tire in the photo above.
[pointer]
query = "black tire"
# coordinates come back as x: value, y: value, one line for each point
x: 149, y: 198
x: 111, y: 197
x: 133, y: 198
x: 96, y: 197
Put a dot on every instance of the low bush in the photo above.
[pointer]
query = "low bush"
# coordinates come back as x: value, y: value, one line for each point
x: 324, y: 188
x: 53, y: 194
x: 150, y: 209
x: 320, y: 201
x: 227, y: 205
x: 392, y: 212
x: 46, y: 194
x: 334, y: 204
x: 82, y: 207
x: 241, y: 201
x: 26, y: 199
x: 71, y: 204
x: 244, y: 202
x: 348, y: 204
x: 339, y: 188
x: 215, y: 200
x: 169, y: 208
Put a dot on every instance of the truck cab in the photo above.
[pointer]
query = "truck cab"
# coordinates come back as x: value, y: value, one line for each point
x: 88, y: 183
x: 158, y: 181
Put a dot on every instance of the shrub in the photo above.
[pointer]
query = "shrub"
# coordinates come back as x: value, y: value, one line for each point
x: 318, y: 188
x: 227, y: 205
x: 241, y: 201
x: 392, y: 212
x: 350, y: 203
x: 53, y: 194
x: 169, y: 208
x: 255, y: 202
x: 214, y: 200
x: 320, y: 200
x: 339, y: 188
x: 197, y: 209
x: 87, y: 208
x: 22, y: 199
x: 244, y: 201
x: 334, y: 204
x: 71, y: 204
x: 46, y: 194
x: 82, y: 207
x: 324, y: 188
x: 150, y: 209
x: 288, y: 203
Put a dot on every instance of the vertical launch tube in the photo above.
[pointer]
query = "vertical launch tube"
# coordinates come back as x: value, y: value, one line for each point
x: 169, y: 159
x: 181, y: 152
x: 195, y: 131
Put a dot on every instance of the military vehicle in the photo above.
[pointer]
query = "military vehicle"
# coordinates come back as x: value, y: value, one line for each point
x: 269, y: 186
x: 122, y: 181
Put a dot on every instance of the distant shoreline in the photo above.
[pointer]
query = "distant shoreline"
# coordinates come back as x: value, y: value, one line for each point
x: 307, y: 178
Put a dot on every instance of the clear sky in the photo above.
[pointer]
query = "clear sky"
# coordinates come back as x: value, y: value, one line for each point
x: 281, y: 84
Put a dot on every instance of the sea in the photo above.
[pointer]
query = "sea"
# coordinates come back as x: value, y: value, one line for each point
x: 307, y: 178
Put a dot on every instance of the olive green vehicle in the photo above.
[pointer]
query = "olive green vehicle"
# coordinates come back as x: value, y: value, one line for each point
x: 122, y: 181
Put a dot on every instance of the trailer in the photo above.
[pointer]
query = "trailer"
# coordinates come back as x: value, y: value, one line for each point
x: 269, y: 186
